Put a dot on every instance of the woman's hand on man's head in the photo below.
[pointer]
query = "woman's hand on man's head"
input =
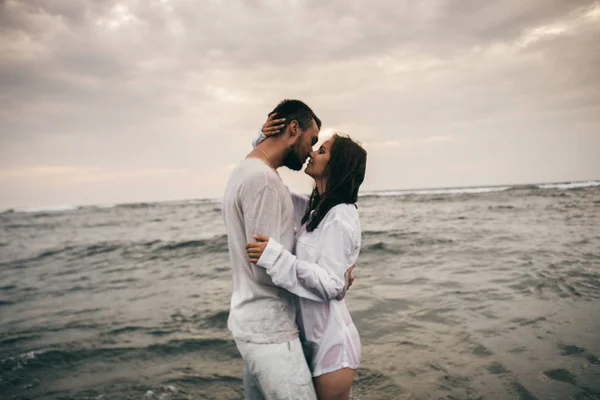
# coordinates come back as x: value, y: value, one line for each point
x: 273, y: 126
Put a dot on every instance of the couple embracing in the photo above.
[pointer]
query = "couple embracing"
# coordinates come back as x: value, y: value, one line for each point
x: 292, y: 258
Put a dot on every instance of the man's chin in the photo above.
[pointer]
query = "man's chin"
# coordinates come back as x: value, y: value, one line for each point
x: 292, y: 161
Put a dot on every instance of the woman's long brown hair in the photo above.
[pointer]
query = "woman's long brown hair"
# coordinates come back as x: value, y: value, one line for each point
x: 345, y: 173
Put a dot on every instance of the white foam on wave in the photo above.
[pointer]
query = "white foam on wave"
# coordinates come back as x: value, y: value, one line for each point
x: 487, y: 189
x: 482, y: 189
x: 24, y: 357
x: 106, y: 205
x: 97, y: 206
x: 569, y: 185
x: 65, y: 207
x: 202, y: 201
x: 68, y: 207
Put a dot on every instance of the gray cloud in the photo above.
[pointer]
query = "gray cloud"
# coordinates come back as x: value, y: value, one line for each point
x: 161, y: 85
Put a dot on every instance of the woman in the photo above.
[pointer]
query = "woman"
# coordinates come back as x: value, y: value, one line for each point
x: 327, y: 243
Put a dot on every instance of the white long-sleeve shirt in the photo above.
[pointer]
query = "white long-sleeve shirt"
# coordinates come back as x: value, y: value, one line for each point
x: 256, y: 200
x: 317, y: 274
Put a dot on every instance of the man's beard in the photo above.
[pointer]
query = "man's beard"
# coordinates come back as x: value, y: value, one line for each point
x: 291, y: 159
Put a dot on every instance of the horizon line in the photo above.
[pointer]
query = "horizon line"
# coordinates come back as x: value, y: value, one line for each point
x: 214, y: 199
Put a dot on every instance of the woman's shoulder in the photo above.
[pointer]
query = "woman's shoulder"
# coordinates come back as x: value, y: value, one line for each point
x: 345, y: 213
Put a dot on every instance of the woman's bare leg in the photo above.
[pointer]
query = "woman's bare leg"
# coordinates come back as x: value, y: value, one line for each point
x: 335, y: 385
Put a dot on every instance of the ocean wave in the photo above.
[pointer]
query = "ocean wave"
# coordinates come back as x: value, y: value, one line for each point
x: 184, y: 346
x: 405, y: 241
x: 199, y: 380
x: 17, y: 339
x: 168, y: 203
x: 32, y: 224
x: 153, y: 331
x: 213, y: 245
x: 480, y: 190
x: 153, y: 248
x: 569, y: 185
x: 136, y: 205
x: 523, y: 188
x: 374, y: 233
x: 182, y: 245
x: 46, y: 209
x: 22, y: 262
x: 217, y: 320
x: 16, y: 362
x: 77, y: 251
x: 468, y: 190
x: 98, y: 206
x: 379, y: 247
x: 67, y: 357
x: 202, y: 201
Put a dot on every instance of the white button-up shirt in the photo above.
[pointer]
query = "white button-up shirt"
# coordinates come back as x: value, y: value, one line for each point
x: 318, y: 275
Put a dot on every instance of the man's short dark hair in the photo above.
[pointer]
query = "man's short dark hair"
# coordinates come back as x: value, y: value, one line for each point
x: 296, y: 110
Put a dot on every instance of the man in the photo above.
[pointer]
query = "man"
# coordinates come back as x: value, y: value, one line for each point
x: 262, y: 316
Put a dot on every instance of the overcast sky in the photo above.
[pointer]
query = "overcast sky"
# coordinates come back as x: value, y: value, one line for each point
x: 106, y: 102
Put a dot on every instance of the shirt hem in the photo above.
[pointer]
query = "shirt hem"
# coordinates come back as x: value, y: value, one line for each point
x: 319, y: 372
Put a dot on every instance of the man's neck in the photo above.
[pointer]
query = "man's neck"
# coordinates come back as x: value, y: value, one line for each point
x: 271, y: 153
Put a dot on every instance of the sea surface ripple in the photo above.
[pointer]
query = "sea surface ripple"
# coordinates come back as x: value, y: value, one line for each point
x: 459, y: 294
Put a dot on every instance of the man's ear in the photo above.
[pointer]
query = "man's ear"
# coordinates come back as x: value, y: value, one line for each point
x: 294, y: 128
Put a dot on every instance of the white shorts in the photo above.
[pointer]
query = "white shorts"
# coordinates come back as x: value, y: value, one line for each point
x: 276, y: 371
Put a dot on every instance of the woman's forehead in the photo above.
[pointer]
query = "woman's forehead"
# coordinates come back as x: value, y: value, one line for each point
x: 327, y: 144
